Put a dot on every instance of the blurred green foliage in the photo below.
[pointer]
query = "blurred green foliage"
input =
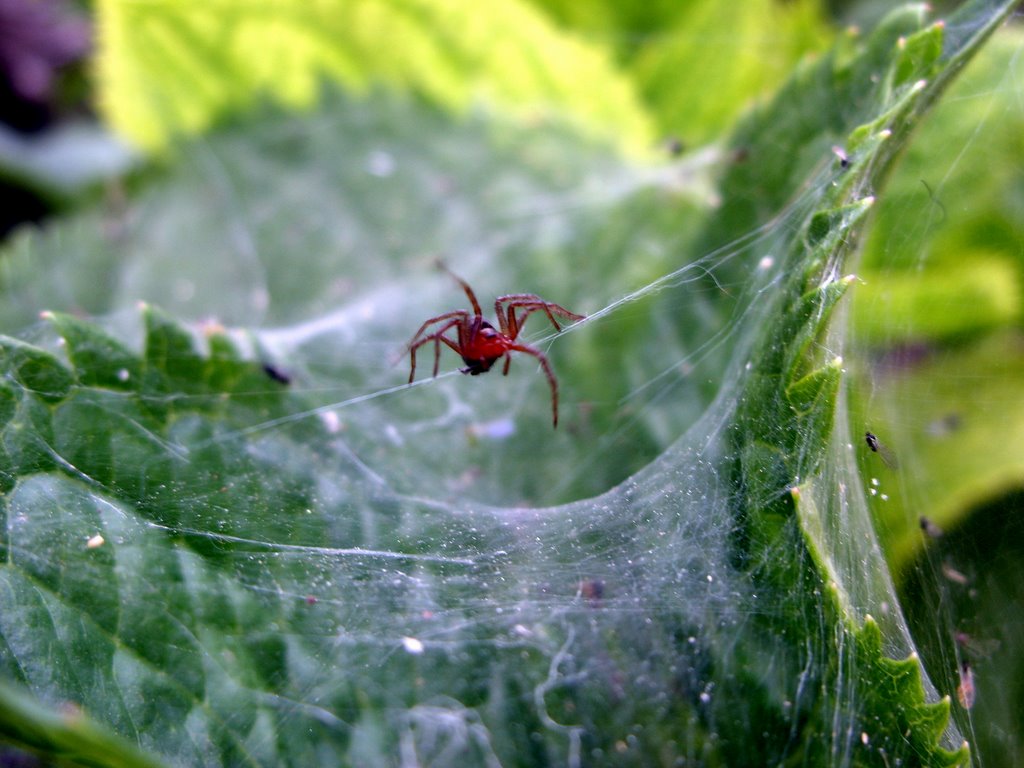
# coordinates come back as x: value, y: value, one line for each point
x: 168, y: 69
x: 938, y: 317
x: 937, y: 324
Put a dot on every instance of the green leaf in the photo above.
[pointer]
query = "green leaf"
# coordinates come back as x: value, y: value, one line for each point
x: 953, y: 302
x: 883, y: 681
x: 101, y: 360
x: 35, y: 370
x: 167, y: 69
x: 261, y: 547
x: 703, y: 71
x: 938, y: 312
x: 69, y: 736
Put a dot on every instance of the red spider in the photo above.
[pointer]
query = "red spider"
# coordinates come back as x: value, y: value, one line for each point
x: 480, y: 344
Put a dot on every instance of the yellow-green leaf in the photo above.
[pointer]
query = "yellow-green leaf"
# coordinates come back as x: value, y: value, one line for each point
x: 719, y: 57
x: 173, y: 67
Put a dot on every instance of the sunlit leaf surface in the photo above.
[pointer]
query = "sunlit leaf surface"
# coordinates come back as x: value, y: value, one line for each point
x: 169, y: 68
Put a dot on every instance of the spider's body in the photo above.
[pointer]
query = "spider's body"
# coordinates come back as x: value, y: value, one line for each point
x: 480, y: 344
x: 486, y: 347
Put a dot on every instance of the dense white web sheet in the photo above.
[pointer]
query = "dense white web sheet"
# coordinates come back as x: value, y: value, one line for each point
x: 410, y: 563
x: 632, y: 594
x: 413, y: 564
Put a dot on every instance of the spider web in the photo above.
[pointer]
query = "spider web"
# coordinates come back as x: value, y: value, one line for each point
x: 304, y: 560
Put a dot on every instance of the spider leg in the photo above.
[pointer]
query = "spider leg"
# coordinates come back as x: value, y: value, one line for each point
x: 465, y: 286
x: 530, y: 303
x: 550, y: 310
x: 437, y: 337
x: 510, y: 324
x: 437, y: 350
x: 546, y: 366
x: 461, y: 314
x: 529, y: 310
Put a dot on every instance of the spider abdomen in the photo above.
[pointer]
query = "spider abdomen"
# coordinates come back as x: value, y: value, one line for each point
x: 483, y: 346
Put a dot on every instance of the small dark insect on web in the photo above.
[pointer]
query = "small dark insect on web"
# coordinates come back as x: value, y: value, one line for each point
x: 840, y: 154
x: 965, y: 691
x: 930, y: 528
x: 276, y: 374
x: 673, y: 146
x: 876, y: 446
